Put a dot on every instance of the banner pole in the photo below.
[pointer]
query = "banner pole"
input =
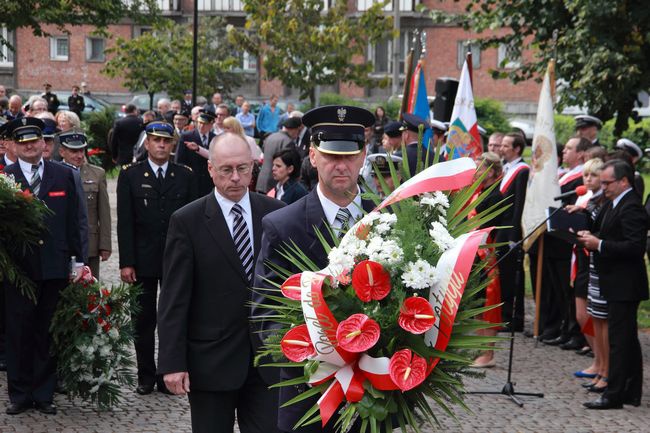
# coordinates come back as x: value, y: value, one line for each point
x: 538, y: 286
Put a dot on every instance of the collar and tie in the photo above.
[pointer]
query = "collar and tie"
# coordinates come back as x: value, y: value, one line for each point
x: 35, y: 182
x: 160, y: 176
x: 241, y: 236
x: 343, y: 216
x: 204, y: 140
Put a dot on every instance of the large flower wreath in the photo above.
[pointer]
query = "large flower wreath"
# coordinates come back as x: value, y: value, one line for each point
x: 21, y: 224
x: 93, y: 335
x: 388, y: 323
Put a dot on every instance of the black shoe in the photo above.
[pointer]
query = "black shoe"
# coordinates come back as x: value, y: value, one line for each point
x: 632, y: 401
x: 583, y: 350
x: 597, y: 389
x: 3, y: 365
x: 17, y: 408
x: 573, y: 344
x: 602, y: 403
x: 529, y: 334
x: 60, y: 389
x: 548, y: 335
x: 556, y: 341
x: 144, y: 389
x: 45, y: 407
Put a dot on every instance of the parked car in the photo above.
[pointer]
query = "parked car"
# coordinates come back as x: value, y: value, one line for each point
x: 141, y: 100
x: 526, y: 127
x: 93, y: 103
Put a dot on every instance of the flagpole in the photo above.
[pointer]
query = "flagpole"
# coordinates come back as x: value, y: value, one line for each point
x: 538, y: 286
x: 470, y: 68
x: 408, y: 73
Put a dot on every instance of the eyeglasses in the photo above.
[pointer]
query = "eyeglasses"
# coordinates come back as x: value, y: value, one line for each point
x: 228, y: 171
x: 220, y: 115
x: 608, y: 182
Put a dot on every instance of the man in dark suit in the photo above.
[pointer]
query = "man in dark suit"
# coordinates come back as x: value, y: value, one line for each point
x: 337, y: 151
x: 513, y: 190
x: 188, y: 150
x: 410, y: 127
x: 30, y: 365
x: 76, y: 102
x: 148, y: 192
x: 126, y: 132
x: 618, y: 243
x: 205, y: 335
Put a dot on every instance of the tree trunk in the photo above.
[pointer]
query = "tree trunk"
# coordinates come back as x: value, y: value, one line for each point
x: 151, y: 100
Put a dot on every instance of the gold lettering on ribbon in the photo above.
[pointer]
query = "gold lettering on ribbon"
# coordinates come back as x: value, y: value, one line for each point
x: 452, y: 297
x: 322, y: 323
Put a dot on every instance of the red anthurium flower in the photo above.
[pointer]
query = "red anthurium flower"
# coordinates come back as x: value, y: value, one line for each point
x: 407, y: 369
x: 416, y: 315
x: 370, y: 281
x: 357, y: 333
x: 296, y: 344
x: 291, y: 287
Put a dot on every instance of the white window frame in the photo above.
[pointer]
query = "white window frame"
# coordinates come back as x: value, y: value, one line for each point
x: 221, y: 5
x: 404, y: 5
x: 54, y: 53
x: 461, y: 52
x: 6, y: 53
x: 406, y: 39
x: 89, y: 50
x: 504, y: 53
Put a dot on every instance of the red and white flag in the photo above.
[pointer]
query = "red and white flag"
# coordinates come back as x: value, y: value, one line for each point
x: 463, y: 138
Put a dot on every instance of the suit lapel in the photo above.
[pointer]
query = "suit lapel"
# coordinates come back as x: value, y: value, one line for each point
x: 258, y: 214
x: 48, y: 179
x: 168, y: 180
x: 217, y: 227
x: 315, y: 220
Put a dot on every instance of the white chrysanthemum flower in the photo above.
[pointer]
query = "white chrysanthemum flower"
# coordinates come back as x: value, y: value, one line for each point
x: 441, y: 236
x: 387, y: 252
x: 419, y: 275
x: 388, y: 218
x: 436, y: 200
x: 339, y: 261
x: 353, y: 246
x: 114, y: 334
x: 105, y: 351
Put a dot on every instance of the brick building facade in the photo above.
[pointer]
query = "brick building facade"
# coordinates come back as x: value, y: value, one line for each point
x: 78, y: 57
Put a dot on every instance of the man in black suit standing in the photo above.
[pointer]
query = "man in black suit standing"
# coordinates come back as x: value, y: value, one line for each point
x: 191, y: 147
x: 126, y: 132
x: 148, y: 192
x: 205, y: 334
x: 30, y: 365
x: 513, y: 190
x: 338, y: 152
x: 410, y: 130
x: 618, y: 243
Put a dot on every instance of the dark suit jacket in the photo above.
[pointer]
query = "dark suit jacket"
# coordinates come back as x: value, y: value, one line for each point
x: 126, y: 132
x: 515, y: 195
x: 203, y: 313
x: 143, y: 211
x: 196, y: 162
x: 555, y: 247
x: 620, y: 264
x: 50, y: 259
x: 293, y: 190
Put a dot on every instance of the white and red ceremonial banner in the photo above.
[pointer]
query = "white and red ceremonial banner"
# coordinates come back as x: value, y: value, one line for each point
x: 463, y: 138
x: 349, y: 370
x: 542, y: 183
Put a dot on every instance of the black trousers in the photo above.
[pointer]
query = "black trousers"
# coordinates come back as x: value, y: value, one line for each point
x: 625, y: 359
x: 511, y: 278
x: 550, y: 319
x: 31, y: 370
x: 3, y: 326
x: 145, y: 330
x: 255, y: 405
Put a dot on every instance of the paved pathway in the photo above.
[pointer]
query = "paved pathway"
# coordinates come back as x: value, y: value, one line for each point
x: 539, y: 369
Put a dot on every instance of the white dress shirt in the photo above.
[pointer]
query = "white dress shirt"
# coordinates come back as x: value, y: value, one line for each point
x: 26, y: 168
x: 155, y: 167
x: 331, y: 209
x: 226, y: 206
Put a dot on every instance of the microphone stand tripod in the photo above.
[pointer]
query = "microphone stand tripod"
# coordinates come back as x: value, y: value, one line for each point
x: 509, y: 387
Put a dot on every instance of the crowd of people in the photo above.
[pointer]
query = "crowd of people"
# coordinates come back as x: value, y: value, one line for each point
x: 208, y: 195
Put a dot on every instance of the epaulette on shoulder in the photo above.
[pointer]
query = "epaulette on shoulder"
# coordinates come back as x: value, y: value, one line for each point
x: 131, y: 165
x: 186, y: 166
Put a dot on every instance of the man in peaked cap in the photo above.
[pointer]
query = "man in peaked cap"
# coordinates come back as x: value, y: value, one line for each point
x: 51, y: 98
x: 410, y: 130
x: 188, y: 148
x: 148, y: 192
x: 30, y: 366
x: 392, y: 138
x: 588, y: 126
x: 337, y: 152
x: 93, y: 178
x: 381, y: 162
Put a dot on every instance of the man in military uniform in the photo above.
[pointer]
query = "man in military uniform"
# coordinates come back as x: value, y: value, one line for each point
x: 189, y: 145
x: 588, y: 127
x: 76, y: 102
x: 380, y: 161
x: 410, y: 130
x: 186, y: 103
x: 51, y: 98
x: 148, y: 192
x: 93, y: 180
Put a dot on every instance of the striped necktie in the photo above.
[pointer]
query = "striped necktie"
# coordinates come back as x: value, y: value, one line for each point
x: 343, y: 216
x: 35, y: 183
x: 242, y: 240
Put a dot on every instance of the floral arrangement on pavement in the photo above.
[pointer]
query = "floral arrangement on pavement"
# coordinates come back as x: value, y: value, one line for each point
x: 386, y: 325
x: 22, y: 219
x: 93, y: 336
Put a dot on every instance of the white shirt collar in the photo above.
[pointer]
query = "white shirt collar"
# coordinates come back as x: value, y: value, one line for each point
x: 26, y: 168
x: 620, y: 196
x: 507, y: 165
x: 155, y: 167
x: 8, y: 160
x: 227, y: 204
x: 331, y: 209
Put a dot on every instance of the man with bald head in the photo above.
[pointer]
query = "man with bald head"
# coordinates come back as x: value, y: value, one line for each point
x: 207, y: 345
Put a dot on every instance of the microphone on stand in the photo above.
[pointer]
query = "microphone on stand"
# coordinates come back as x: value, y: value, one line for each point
x: 580, y: 190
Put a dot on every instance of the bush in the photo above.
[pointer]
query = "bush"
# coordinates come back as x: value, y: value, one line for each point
x: 97, y: 126
x: 491, y: 116
x: 564, y: 128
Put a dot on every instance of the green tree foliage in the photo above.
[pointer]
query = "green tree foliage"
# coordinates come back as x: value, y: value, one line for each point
x: 602, y: 47
x: 64, y: 13
x: 304, y: 46
x: 161, y: 60
x: 491, y: 116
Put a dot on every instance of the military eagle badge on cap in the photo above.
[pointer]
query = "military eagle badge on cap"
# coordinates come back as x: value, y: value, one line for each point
x: 341, y: 112
x: 24, y: 120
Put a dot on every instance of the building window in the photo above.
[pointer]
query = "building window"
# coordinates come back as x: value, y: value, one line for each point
x: 249, y: 62
x: 508, y: 56
x: 59, y: 48
x: 463, y: 48
x: 381, y: 54
x: 221, y: 5
x: 404, y: 5
x: 6, y: 53
x: 95, y: 49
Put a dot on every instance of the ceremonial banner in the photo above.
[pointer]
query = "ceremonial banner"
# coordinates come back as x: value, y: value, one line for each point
x: 543, y: 183
x: 463, y: 136
x: 418, y: 103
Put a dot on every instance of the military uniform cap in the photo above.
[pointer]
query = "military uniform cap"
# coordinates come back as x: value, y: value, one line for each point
x: 206, y: 116
x: 381, y: 161
x: 392, y: 129
x: 160, y: 129
x: 338, y: 129
x: 585, y: 120
x: 73, y: 139
x: 25, y: 129
x: 438, y: 125
x: 412, y: 122
x: 50, y: 129
x: 630, y: 147
x: 187, y: 92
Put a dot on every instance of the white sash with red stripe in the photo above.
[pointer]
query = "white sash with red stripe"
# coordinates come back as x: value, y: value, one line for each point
x: 571, y: 175
x: 510, y: 176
